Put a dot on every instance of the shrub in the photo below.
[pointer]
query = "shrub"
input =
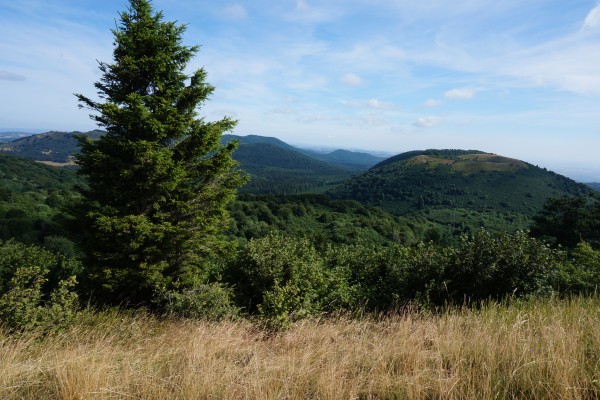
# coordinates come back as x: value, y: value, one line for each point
x: 36, y: 288
x: 487, y: 266
x: 206, y: 301
x: 580, y: 274
x: 24, y: 308
x: 281, y: 278
x: 383, y: 278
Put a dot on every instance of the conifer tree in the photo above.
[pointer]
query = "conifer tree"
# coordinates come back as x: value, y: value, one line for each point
x: 159, y: 180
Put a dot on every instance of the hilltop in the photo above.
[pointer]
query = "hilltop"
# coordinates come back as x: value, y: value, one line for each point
x: 458, y: 185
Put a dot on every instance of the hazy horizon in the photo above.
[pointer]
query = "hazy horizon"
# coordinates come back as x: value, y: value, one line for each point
x: 581, y: 172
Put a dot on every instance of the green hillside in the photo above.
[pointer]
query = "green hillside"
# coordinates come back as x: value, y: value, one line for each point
x: 323, y: 220
x: 276, y: 170
x: 57, y: 147
x: 32, y: 197
x: 454, y: 186
x: 19, y: 176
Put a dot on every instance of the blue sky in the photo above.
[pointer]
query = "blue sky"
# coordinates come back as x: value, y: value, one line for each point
x: 513, y: 77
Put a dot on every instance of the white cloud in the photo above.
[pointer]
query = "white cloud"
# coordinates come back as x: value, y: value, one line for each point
x: 427, y: 122
x: 460, y: 94
x: 235, y: 11
x: 593, y: 18
x: 352, y: 79
x: 570, y: 64
x: 378, y: 104
x: 432, y: 103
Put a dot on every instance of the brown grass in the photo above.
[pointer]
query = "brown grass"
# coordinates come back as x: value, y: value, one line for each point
x: 522, y: 351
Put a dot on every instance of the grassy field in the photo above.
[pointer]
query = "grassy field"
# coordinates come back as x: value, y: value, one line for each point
x: 527, y: 350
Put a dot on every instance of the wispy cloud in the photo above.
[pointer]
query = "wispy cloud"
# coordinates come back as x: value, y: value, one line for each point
x: 432, y: 103
x: 11, y: 76
x: 427, y: 122
x: 235, y: 11
x: 352, y: 79
x: 379, y: 104
x: 592, y: 20
x: 460, y: 94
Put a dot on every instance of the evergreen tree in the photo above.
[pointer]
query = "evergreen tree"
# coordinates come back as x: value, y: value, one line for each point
x: 159, y: 179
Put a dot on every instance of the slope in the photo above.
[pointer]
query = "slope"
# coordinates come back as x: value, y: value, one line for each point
x: 278, y: 170
x: 57, y: 147
x: 459, y: 188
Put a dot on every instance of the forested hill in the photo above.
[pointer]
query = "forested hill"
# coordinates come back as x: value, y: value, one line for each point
x: 351, y: 160
x: 57, y: 147
x: 277, y: 170
x: 256, y: 139
x: 18, y: 176
x: 445, y: 183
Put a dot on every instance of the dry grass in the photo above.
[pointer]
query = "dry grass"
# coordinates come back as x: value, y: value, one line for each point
x: 522, y: 351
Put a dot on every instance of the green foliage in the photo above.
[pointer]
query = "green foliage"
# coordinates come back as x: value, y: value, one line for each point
x: 277, y: 170
x: 381, y: 279
x: 284, y: 278
x: 32, y: 202
x: 495, y: 266
x: 281, y: 278
x: 159, y: 179
x: 205, y: 301
x: 581, y: 275
x: 36, y: 288
x: 567, y: 221
x: 321, y: 220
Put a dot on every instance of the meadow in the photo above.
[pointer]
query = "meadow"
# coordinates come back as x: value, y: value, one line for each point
x: 534, y: 349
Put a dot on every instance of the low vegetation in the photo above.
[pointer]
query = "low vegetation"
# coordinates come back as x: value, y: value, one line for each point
x: 525, y: 350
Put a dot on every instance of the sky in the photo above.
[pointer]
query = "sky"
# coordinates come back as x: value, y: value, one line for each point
x: 511, y: 77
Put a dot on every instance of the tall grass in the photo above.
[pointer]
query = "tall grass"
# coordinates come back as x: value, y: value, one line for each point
x: 525, y: 350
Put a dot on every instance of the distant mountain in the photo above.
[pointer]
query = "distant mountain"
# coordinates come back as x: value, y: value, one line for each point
x: 594, y: 185
x: 281, y: 170
x: 8, y: 136
x: 57, y: 147
x: 355, y: 161
x: 451, y: 185
x: 350, y: 160
x: 254, y: 139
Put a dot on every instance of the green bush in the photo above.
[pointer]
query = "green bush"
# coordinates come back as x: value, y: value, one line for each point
x: 495, y: 266
x: 383, y: 278
x: 281, y: 278
x: 36, y: 288
x: 24, y: 307
x: 580, y: 274
x: 205, y: 301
